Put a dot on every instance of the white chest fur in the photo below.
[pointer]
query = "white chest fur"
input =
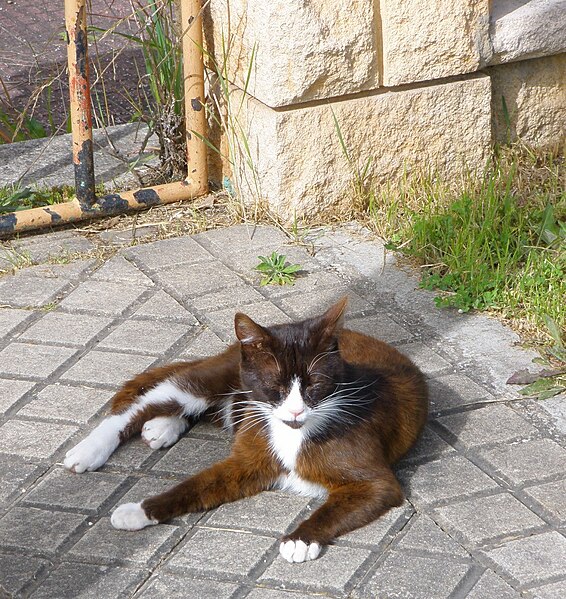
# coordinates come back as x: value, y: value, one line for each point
x: 286, y: 443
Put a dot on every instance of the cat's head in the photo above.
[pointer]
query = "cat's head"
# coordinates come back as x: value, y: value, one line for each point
x: 291, y: 369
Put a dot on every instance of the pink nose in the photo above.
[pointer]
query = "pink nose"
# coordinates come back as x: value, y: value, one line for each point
x: 297, y: 412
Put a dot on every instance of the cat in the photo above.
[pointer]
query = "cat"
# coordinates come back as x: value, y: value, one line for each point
x: 315, y: 409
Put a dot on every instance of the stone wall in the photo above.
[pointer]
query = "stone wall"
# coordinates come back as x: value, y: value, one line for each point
x: 394, y: 84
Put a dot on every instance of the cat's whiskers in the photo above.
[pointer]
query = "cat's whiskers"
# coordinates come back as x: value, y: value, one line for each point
x: 319, y: 357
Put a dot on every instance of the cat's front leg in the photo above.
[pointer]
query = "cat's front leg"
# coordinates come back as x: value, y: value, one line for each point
x: 348, y: 507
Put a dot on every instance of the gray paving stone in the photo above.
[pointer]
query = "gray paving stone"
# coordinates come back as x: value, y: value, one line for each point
x: 492, y: 586
x: 302, y: 305
x: 269, y: 512
x: 401, y: 576
x: 102, y: 297
x: 189, y: 456
x: 222, y: 322
x: 382, y: 327
x: 11, y: 392
x: 107, y: 368
x: 63, y: 402
x: 552, y: 497
x: 33, y: 439
x: 70, y: 329
x: 424, y: 357
x: 330, y: 572
x: 60, y: 243
x: 556, y: 590
x: 429, y: 445
x: 120, y: 270
x: 205, y: 344
x: 493, y: 424
x: 209, y: 430
x: 70, y: 271
x: 37, y: 530
x: 381, y: 530
x: 164, y: 584
x: 455, y: 390
x: 130, y: 456
x: 246, y: 237
x: 12, y: 318
x: 68, y: 491
x: 146, y: 487
x: 168, y: 253
x: 24, y: 291
x: 127, y: 236
x: 424, y: 535
x: 263, y: 593
x: 556, y: 408
x: 33, y: 361
x: 212, y: 552
x: 147, y: 337
x: 104, y: 543
x: 526, y: 461
x: 16, y: 571
x: 237, y: 300
x: 485, y: 519
x: 532, y: 559
x: 15, y: 473
x: 86, y: 581
x: 163, y: 307
x: 448, y: 478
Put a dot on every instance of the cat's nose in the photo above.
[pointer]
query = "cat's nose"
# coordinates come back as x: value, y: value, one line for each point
x: 297, y: 412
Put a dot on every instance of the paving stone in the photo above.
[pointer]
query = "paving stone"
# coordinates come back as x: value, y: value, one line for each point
x: 168, y: 253
x: 305, y: 305
x: 70, y: 271
x: 552, y: 497
x: 237, y: 300
x: 63, y: 402
x: 484, y: 519
x: 102, y: 297
x: 401, y: 576
x: 382, y: 529
x: 532, y: 559
x: 37, y: 530
x: 24, y: 291
x: 15, y: 473
x: 205, y: 344
x: 107, y: 368
x: 10, y: 319
x: 424, y: 357
x: 68, y: 491
x: 382, y: 327
x: 86, y: 581
x: 33, y: 361
x: 245, y: 237
x: 207, y: 429
x: 70, y: 329
x: 455, y: 390
x: 423, y: 534
x: 267, y: 512
x: 192, y: 280
x: 33, y: 439
x: 556, y: 590
x: 444, y: 479
x: 164, y: 584
x: 16, y: 571
x: 521, y: 462
x: 11, y: 392
x: 493, y: 424
x: 120, y: 270
x: 429, y: 445
x: 104, y: 543
x: 263, y: 593
x: 556, y: 408
x: 130, y: 456
x: 332, y: 571
x: 189, y: 456
x: 60, y: 243
x: 491, y: 585
x: 128, y: 236
x: 146, y: 487
x: 148, y: 337
x: 211, y: 552
x: 264, y: 313
x: 163, y: 307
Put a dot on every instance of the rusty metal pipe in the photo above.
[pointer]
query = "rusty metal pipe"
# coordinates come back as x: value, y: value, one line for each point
x: 80, y: 108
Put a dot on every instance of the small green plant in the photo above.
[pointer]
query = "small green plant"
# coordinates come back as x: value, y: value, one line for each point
x: 275, y: 270
x: 14, y: 198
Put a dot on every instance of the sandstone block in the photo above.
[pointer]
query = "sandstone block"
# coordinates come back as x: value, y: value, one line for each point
x: 535, y: 96
x: 521, y: 30
x: 424, y: 39
x: 295, y: 50
x: 295, y: 160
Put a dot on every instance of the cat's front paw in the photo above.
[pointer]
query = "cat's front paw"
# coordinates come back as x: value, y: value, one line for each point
x: 163, y: 431
x: 299, y: 551
x: 89, y: 454
x: 130, y: 516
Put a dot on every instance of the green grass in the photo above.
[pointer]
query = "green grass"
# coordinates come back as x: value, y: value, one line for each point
x: 497, y: 243
x: 275, y: 270
x: 14, y: 198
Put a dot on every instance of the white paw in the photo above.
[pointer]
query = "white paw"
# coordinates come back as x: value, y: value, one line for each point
x: 89, y: 454
x: 298, y: 551
x: 163, y: 431
x: 130, y: 516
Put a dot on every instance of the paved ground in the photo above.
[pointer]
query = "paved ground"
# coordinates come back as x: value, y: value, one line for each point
x: 486, y: 486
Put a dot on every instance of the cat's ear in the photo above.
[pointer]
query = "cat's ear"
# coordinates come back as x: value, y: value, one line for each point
x: 248, y: 331
x: 333, y: 319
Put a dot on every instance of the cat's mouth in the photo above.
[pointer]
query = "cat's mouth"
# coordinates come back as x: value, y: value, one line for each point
x: 293, y: 423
